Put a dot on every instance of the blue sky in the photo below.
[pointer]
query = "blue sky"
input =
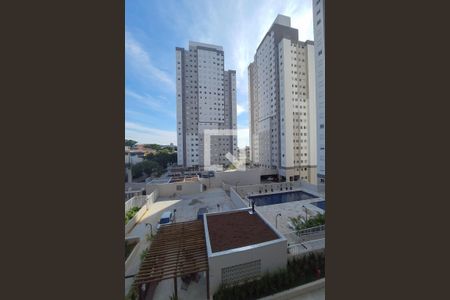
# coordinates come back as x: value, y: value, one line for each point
x: 153, y: 29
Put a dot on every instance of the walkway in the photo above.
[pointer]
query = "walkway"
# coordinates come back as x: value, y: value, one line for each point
x: 318, y: 294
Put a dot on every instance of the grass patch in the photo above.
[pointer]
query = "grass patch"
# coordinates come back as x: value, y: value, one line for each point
x: 131, y: 213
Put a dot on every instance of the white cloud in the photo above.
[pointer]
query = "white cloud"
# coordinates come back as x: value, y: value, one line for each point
x: 158, y: 105
x: 139, y: 60
x: 243, y: 137
x: 148, y: 135
x: 238, y: 26
x: 240, y: 109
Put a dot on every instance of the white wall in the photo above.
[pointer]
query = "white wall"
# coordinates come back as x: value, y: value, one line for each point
x: 169, y: 189
x: 134, y: 159
x: 144, y: 205
x: 273, y: 256
x: 236, y: 199
x: 247, y: 177
x: 138, y: 201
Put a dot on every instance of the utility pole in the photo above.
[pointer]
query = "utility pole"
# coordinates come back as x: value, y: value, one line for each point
x: 130, y: 173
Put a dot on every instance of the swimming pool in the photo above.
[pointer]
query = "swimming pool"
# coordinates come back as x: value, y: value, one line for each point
x: 320, y: 204
x: 271, y: 199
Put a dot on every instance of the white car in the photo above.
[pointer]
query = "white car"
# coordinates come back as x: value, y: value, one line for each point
x: 166, y: 218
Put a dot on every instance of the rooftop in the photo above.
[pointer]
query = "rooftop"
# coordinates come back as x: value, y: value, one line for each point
x: 187, y: 178
x: 237, y: 229
x: 193, y: 44
x: 173, y: 179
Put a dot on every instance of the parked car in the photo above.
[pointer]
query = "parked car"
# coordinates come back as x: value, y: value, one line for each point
x: 201, y: 211
x: 166, y: 218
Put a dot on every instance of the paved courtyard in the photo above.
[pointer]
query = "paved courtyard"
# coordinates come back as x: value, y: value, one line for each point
x: 195, y: 290
x: 186, y: 209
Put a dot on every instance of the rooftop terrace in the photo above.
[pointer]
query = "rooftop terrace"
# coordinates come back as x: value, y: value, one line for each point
x: 237, y: 229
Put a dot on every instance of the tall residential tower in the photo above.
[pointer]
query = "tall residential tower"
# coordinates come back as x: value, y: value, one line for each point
x: 319, y: 39
x: 283, y: 103
x: 206, y: 99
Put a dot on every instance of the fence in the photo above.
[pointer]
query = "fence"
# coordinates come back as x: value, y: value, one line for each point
x: 144, y: 203
x: 300, y: 249
x: 267, y: 188
x: 295, y: 237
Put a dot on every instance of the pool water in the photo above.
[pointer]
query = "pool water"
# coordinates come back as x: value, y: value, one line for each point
x: 320, y: 204
x: 271, y: 199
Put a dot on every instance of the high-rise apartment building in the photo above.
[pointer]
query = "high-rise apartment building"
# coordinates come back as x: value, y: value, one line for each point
x: 206, y: 99
x: 282, y: 103
x: 319, y: 40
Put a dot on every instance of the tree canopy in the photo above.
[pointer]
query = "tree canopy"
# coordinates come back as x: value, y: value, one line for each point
x: 130, y: 143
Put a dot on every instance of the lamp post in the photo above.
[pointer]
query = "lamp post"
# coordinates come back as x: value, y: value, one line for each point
x: 276, y: 220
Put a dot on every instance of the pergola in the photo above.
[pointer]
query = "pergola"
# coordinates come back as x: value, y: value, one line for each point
x: 178, y: 249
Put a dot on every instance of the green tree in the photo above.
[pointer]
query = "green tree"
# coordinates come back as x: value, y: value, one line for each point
x: 150, y: 167
x: 130, y: 143
x: 162, y: 157
x: 137, y: 170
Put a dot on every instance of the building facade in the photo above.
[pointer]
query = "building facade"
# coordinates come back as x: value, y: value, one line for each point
x: 206, y: 100
x: 319, y: 40
x: 283, y: 104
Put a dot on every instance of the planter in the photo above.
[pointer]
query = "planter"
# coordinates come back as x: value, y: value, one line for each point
x: 134, y: 252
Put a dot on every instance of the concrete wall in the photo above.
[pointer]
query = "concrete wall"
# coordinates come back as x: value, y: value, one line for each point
x: 145, y: 205
x: 138, y: 201
x: 247, y: 177
x: 134, y: 253
x: 169, y: 189
x: 273, y: 256
x: 236, y: 199
x: 135, y: 219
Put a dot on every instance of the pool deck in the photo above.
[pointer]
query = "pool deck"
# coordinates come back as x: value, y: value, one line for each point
x: 287, y: 210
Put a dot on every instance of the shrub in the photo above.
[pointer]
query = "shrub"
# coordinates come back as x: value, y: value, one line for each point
x: 144, y: 253
x: 131, y: 213
x: 132, y: 294
x: 299, y: 270
x: 317, y: 220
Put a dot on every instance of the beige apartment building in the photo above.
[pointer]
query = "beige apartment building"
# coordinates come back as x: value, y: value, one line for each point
x: 206, y: 100
x: 282, y: 103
